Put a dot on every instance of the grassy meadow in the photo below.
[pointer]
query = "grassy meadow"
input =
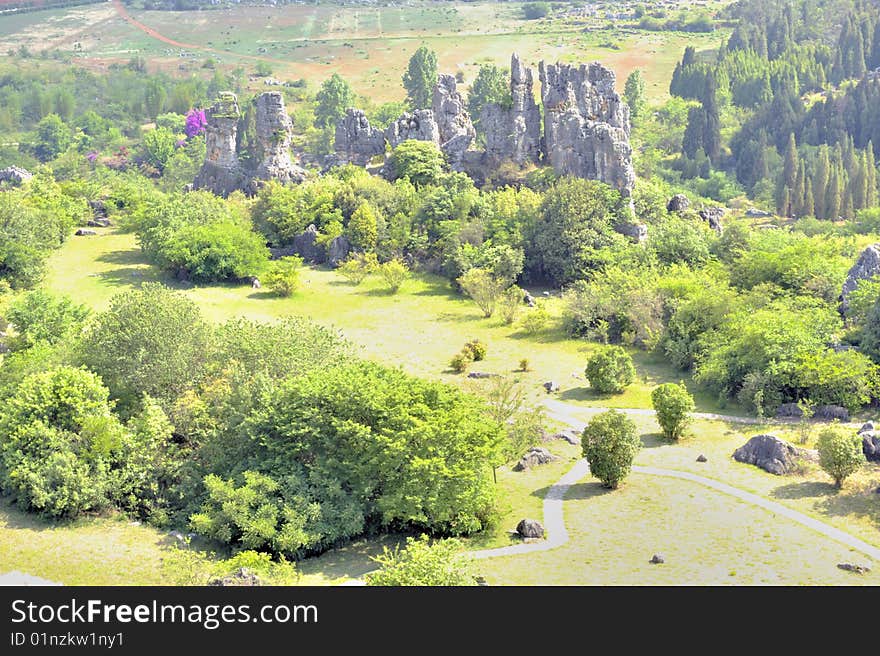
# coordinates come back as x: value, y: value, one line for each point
x: 718, y: 539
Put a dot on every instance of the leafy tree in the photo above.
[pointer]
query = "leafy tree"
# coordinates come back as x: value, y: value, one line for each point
x: 367, y: 445
x: 60, y: 443
x: 420, y: 162
x: 511, y: 302
x: 574, y: 236
x: 53, y: 138
x: 221, y: 250
x: 151, y: 340
x: 440, y: 563
x: 283, y: 275
x: 535, y: 320
x: 257, y: 514
x: 634, y: 93
x: 26, y: 237
x: 610, y: 443
x: 358, y: 266
x: 334, y: 97
x: 393, y: 273
x: 159, y: 147
x: 362, y: 228
x: 676, y: 239
x: 484, y: 288
x: 420, y: 78
x: 491, y: 86
x: 155, y: 96
x: 673, y: 405
x: 40, y: 316
x: 535, y: 10
x: 610, y: 370
x: 840, y: 453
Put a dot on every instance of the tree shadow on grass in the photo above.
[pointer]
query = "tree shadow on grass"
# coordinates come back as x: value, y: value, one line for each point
x: 380, y: 292
x: 589, y: 490
x: 453, y: 317
x: 129, y: 257
x: 848, y: 502
x: 581, y: 393
x: 11, y: 516
x: 804, y: 490
x: 264, y: 295
x: 352, y: 560
x: 653, y: 440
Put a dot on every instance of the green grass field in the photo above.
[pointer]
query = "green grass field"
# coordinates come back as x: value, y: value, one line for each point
x: 420, y: 328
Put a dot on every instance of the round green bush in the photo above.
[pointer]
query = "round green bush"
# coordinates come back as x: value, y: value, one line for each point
x: 840, y: 453
x: 610, y: 370
x: 673, y: 405
x: 460, y: 362
x: 477, y: 349
x: 610, y: 442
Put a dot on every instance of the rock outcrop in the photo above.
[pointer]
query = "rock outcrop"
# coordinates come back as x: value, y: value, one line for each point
x: 454, y: 124
x: 274, y: 131
x: 306, y: 245
x: 530, y: 528
x: 338, y: 250
x: 870, y: 442
x: 678, y: 203
x: 865, y: 268
x: 771, y: 454
x: 419, y: 125
x: 221, y: 172
x: 713, y: 216
x: 536, y: 455
x: 514, y: 133
x: 268, y: 148
x: 356, y: 140
x: 15, y: 175
x: 586, y: 124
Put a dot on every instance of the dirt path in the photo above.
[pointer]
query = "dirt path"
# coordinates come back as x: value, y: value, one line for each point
x: 564, y: 412
x: 146, y: 29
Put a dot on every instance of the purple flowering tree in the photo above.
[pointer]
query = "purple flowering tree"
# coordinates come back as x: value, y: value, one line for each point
x: 195, y: 123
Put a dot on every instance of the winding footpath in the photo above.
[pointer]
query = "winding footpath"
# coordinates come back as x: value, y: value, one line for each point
x: 554, y: 518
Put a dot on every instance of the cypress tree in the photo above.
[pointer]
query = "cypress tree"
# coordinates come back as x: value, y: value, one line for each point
x: 859, y: 182
x: 809, y: 208
x: 870, y: 177
x: 791, y: 164
x: 875, y: 46
x: 689, y: 57
x: 820, y: 182
x: 833, y: 195
x: 712, y: 125
x: 692, y: 140
x: 800, y: 190
x: 846, y: 209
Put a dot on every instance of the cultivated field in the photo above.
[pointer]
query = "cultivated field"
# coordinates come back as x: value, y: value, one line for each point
x: 368, y: 46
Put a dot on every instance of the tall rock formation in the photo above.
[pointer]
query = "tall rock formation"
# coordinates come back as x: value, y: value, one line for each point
x: 356, y: 140
x: 266, y: 152
x: 514, y: 133
x: 419, y: 125
x: 274, y: 131
x: 586, y: 124
x: 221, y: 172
x: 865, y: 268
x: 454, y: 126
